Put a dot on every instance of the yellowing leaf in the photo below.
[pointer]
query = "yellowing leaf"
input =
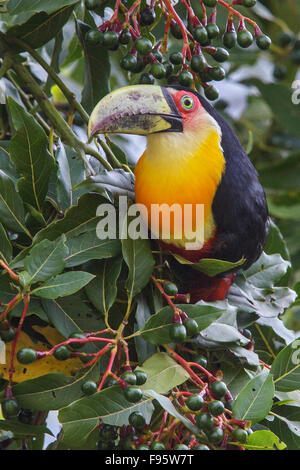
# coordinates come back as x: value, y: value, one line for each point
x: 43, y: 366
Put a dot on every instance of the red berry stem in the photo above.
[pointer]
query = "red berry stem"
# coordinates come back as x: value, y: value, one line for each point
x: 10, y: 306
x: 13, y: 275
x: 14, y: 344
x: 109, y: 367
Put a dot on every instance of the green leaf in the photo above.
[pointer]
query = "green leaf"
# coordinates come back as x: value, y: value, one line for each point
x: 279, y: 98
x: 28, y: 151
x: 287, y: 429
x: 276, y: 243
x: 282, y: 175
x: 53, y: 391
x: 5, y: 246
x: 81, y: 417
x: 102, y: 290
x: 143, y: 348
x: 46, y: 259
x: 64, y: 284
x: 235, y: 377
x: 72, y: 314
x: 23, y: 430
x: 222, y: 333
x: 87, y: 246
x: 11, y: 206
x: 256, y: 398
x: 286, y: 368
x: 96, y: 71
x: 264, y: 440
x: 291, y: 212
x: 64, y: 183
x: 163, y: 373
x: 168, y: 406
x: 210, y: 267
x: 41, y: 27
x: 117, y: 181
x: 78, y: 219
x: 138, y: 257
x: 15, y: 7
x: 156, y: 329
x: 253, y: 290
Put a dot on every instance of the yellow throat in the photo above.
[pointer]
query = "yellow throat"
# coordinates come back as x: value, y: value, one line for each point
x: 182, y: 168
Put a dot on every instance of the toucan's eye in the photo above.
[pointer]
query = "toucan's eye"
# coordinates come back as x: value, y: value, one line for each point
x: 187, y: 102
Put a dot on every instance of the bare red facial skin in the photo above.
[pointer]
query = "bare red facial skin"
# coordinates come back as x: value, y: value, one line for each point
x: 179, y: 99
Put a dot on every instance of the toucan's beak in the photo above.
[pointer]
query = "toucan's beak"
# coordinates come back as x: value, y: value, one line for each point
x: 136, y: 109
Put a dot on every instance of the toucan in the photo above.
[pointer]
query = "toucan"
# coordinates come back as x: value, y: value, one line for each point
x: 192, y: 156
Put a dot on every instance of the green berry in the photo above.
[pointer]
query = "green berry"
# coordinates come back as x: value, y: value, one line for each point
x: 125, y: 37
x: 62, y: 353
x: 239, y: 435
x: 10, y: 408
x: 26, y: 355
x: 244, y: 38
x: 142, y: 447
x: 201, y: 447
x: 141, y: 377
x: 94, y: 36
x: 128, y: 62
x: 200, y: 34
x: 201, y: 360
x: 216, y: 408
x: 198, y: 63
x: 148, y: 16
x: 170, y: 288
x: 178, y: 333
x: 146, y: 79
x: 279, y: 72
x: 176, y: 31
x: 137, y: 420
x: 92, y: 4
x: 211, y: 93
x: 143, y: 46
x: 285, y: 38
x: 185, y: 78
x: 181, y: 447
x: 195, y: 402
x: 77, y: 336
x: 210, y: 3
x: 218, y: 389
x: 133, y: 394
x: 216, y: 435
x: 263, y: 42
x: 111, y: 40
x: 191, y: 327
x: 176, y: 58
x: 157, y: 446
x: 212, y: 30
x: 129, y: 377
x: 248, y: 3
x: 158, y: 71
x: 89, y: 387
x: 7, y: 335
x: 221, y: 55
x: 217, y: 73
x: 230, y: 39
x: 204, y: 421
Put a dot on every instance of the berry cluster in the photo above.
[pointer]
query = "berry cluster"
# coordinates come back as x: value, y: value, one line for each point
x: 129, y: 29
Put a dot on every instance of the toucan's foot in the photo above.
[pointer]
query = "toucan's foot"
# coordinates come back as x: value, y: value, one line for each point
x: 212, y: 289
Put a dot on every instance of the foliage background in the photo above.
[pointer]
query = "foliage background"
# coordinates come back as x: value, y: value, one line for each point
x: 260, y: 109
